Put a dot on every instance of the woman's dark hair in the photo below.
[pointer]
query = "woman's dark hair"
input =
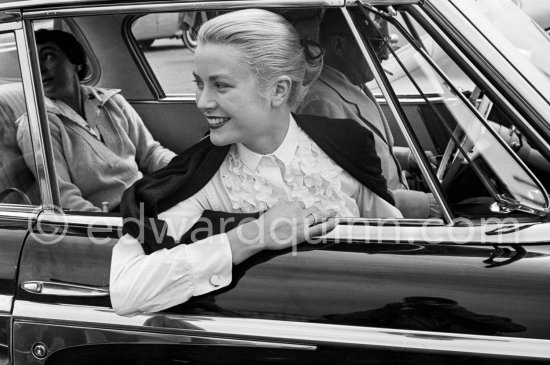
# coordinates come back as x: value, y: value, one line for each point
x: 68, y: 44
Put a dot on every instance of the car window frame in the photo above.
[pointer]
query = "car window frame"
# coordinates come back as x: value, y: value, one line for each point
x: 16, y: 27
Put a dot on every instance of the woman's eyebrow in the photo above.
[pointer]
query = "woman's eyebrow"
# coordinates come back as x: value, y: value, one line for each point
x: 213, y: 77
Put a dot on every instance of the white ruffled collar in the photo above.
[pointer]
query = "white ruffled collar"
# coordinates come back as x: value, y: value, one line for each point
x: 285, y: 152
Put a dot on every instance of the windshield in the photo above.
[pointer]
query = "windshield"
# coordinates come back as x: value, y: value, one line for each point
x: 506, y: 17
x: 455, y: 121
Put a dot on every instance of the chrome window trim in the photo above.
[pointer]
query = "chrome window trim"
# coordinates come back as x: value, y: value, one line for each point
x: 383, y: 2
x: 10, y: 210
x: 34, y: 112
x: 171, y: 6
x: 6, y: 302
x: 407, y: 99
x: 140, y: 58
x: 168, y: 99
x: 55, y: 217
x: 20, y: 216
x: 15, y: 210
x: 288, y: 331
x: 6, y: 27
x: 492, y: 231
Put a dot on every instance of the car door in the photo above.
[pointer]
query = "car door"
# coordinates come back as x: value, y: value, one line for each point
x: 465, y: 288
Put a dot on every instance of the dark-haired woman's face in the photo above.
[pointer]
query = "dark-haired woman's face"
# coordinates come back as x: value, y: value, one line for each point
x: 59, y: 74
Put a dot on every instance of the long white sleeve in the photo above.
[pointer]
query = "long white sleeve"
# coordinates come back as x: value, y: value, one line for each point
x: 150, y: 283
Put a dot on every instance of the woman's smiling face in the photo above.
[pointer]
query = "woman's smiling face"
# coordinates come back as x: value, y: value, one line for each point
x: 229, y: 95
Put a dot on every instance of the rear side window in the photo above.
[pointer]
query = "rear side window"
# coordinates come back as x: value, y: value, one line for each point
x: 17, y: 168
x: 168, y: 41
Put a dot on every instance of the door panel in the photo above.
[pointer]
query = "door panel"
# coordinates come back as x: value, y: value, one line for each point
x: 334, y: 295
x: 102, y: 337
x: 429, y: 287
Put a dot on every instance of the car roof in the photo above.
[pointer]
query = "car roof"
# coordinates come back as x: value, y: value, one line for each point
x: 47, y: 3
x: 24, y: 4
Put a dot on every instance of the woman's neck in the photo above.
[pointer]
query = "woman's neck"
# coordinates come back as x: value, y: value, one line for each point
x: 268, y: 142
x: 74, y: 100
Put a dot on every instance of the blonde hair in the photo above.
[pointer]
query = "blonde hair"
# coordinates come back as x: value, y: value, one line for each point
x: 270, y: 45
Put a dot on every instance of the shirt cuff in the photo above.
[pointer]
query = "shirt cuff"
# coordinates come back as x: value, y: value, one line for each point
x: 211, y: 262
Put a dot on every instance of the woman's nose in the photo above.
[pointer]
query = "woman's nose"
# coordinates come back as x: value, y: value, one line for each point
x: 205, y: 99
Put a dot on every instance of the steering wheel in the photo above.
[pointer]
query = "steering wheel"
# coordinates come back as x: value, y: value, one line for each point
x: 18, y: 191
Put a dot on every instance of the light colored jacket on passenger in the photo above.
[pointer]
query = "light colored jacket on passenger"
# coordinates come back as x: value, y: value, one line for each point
x: 98, y: 158
x: 332, y: 95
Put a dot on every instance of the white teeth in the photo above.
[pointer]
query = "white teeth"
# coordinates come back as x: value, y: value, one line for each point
x: 215, y: 121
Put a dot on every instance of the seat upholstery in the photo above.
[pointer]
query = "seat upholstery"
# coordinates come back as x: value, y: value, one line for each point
x: 13, y: 170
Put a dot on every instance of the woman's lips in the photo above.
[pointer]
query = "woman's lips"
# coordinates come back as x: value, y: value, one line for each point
x: 217, y: 122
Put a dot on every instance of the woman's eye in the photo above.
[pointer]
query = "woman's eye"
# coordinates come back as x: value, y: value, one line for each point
x: 198, y: 83
x: 222, y: 86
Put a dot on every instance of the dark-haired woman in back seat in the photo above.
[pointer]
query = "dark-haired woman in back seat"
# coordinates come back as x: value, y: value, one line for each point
x: 101, y: 146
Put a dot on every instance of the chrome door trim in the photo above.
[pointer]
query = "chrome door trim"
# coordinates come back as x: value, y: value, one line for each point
x: 6, y: 302
x: 492, y: 232
x: 171, y: 6
x: 178, y: 338
x: 287, y: 331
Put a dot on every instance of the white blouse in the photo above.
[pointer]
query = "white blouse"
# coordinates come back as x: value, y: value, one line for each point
x: 246, y: 182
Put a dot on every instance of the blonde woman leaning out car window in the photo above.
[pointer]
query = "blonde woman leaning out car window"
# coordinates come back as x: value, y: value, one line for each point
x: 287, y: 174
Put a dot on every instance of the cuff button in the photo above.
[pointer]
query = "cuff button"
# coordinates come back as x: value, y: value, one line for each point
x: 215, y: 280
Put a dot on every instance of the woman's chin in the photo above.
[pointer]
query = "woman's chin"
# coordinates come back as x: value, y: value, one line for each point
x: 219, y: 140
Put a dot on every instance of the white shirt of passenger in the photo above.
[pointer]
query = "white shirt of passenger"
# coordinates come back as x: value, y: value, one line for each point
x: 246, y: 182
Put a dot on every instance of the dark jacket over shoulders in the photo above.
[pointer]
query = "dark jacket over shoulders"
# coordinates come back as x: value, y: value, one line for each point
x: 347, y: 143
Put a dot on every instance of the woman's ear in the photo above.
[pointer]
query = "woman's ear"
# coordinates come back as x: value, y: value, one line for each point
x: 281, y: 91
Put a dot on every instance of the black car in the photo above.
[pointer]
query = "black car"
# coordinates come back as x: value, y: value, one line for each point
x: 467, y: 89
